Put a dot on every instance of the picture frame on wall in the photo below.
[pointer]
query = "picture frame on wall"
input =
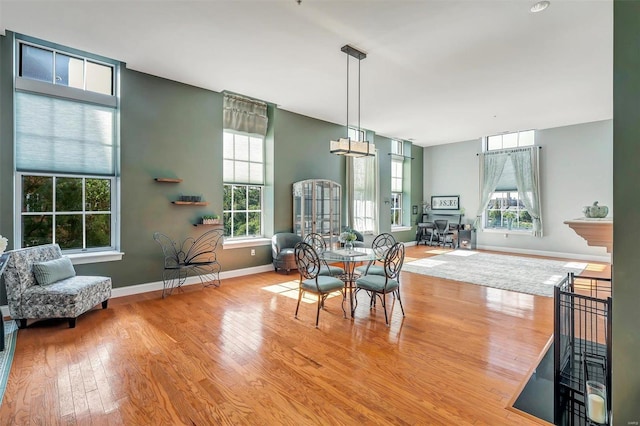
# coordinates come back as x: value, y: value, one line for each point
x: 445, y: 202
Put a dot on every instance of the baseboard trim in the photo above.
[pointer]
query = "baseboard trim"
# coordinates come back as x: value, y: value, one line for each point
x: 157, y: 285
x: 606, y: 259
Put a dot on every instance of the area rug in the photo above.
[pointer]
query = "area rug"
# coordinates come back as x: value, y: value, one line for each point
x: 6, y: 356
x: 515, y: 273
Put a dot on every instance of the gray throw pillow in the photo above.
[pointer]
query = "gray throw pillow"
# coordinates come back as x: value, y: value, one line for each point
x: 53, y: 270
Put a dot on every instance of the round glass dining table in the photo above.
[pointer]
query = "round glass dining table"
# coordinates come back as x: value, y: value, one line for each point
x: 350, y: 259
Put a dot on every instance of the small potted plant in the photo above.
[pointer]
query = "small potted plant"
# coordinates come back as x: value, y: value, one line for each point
x: 210, y: 219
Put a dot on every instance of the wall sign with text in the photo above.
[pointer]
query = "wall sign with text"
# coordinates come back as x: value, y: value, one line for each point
x: 445, y: 202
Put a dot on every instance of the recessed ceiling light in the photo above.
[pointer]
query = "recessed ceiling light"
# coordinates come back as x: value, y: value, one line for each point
x: 540, y: 6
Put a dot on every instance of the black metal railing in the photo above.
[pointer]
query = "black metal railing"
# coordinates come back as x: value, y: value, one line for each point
x: 582, y: 344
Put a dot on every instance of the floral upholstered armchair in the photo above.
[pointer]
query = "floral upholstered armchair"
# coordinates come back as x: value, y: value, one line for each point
x: 41, y: 283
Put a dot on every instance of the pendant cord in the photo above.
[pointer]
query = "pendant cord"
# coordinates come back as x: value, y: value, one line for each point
x: 348, y: 100
x: 359, y: 133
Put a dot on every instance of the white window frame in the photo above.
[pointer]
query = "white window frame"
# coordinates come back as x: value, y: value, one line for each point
x: 229, y: 213
x: 512, y: 140
x: 232, y: 211
x: 74, y: 94
x: 397, y: 185
x: 504, y: 210
x: 53, y: 213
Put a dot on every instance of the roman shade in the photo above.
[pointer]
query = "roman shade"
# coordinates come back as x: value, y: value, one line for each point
x: 245, y: 115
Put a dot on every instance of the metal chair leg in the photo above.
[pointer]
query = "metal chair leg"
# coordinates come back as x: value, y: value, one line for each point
x: 299, y: 299
x: 318, y: 310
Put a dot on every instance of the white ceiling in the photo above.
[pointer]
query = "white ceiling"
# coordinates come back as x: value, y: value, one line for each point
x: 437, y: 71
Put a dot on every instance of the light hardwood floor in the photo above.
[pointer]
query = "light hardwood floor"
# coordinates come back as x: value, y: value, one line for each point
x: 236, y: 355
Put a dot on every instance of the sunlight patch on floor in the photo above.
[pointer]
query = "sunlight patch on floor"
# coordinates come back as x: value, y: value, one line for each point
x: 577, y: 265
x: 428, y: 262
x: 463, y: 253
x: 438, y: 251
x: 595, y: 267
x: 290, y: 289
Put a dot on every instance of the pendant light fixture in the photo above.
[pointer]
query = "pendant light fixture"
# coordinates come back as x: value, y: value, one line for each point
x: 347, y: 146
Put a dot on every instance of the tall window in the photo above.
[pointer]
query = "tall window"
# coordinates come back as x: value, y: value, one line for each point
x: 510, y: 140
x: 245, y: 126
x: 244, y: 179
x: 66, y: 139
x: 511, y: 191
x: 396, y: 191
x: 397, y: 182
x: 365, y: 174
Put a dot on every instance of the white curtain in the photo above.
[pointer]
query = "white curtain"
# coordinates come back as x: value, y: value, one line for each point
x: 361, y: 194
x: 526, y: 166
x: 245, y: 115
x: 491, y: 167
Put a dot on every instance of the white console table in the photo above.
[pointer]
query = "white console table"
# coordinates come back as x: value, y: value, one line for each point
x: 597, y: 232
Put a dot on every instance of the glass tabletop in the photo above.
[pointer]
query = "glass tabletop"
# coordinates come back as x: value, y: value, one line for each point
x: 356, y: 254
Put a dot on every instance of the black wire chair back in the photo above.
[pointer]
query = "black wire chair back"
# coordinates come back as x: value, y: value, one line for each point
x: 316, y: 241
x: 307, y: 260
x: 381, y: 243
x: 393, y: 261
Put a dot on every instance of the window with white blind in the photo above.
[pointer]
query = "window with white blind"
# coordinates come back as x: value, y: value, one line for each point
x: 66, y: 137
x: 398, y: 194
x: 365, y: 181
x: 245, y: 126
x: 397, y: 175
x: 243, y: 171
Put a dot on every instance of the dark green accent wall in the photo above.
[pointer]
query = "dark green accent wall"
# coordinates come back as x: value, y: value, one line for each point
x: 301, y: 152
x: 626, y: 201
x: 170, y: 129
x: 6, y: 139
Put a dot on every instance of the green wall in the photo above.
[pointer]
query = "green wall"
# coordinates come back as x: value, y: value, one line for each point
x: 6, y: 141
x: 170, y: 129
x: 626, y: 201
x: 301, y: 152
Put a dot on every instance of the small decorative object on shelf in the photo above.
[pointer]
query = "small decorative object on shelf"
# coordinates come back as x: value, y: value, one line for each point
x: 190, y: 203
x: 168, y: 180
x: 595, y: 211
x: 211, y: 219
x: 194, y: 200
x: 191, y: 198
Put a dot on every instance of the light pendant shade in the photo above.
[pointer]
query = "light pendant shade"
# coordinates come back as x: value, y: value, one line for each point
x: 351, y: 148
x: 347, y: 146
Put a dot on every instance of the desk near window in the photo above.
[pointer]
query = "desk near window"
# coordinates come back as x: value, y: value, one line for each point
x: 426, y: 226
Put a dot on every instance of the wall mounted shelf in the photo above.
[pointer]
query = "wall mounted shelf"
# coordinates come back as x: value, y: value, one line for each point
x: 190, y: 203
x: 167, y: 180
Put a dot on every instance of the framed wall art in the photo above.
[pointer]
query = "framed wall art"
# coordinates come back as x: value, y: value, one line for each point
x: 445, y: 202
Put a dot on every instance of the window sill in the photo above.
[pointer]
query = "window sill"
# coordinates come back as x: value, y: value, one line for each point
x: 248, y: 242
x: 400, y: 228
x: 95, y: 257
